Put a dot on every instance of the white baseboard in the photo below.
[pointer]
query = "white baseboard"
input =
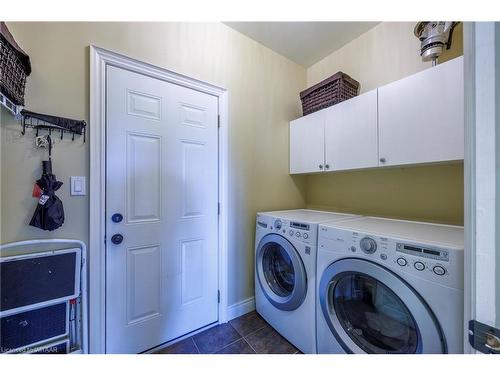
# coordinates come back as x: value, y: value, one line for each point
x: 240, y: 308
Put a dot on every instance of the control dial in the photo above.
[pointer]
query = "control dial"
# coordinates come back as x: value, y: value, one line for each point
x: 278, y: 224
x: 368, y: 245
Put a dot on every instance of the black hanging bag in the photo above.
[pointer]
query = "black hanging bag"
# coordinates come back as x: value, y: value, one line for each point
x: 49, y: 213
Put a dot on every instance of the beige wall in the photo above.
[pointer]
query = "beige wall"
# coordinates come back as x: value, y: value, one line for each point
x: 263, y: 96
x: 386, y: 53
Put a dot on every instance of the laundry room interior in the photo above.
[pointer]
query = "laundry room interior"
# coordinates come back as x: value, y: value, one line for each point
x: 249, y: 187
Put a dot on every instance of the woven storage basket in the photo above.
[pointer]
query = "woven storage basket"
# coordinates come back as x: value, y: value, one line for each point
x: 333, y: 90
x: 14, y: 67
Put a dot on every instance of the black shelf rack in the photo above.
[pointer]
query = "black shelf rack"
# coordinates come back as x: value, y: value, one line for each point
x: 50, y: 123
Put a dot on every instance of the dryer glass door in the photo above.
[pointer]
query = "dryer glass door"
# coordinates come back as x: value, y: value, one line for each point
x: 280, y: 272
x: 373, y: 316
x: 370, y: 309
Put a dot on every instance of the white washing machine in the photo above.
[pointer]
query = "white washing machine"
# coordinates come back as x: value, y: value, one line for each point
x: 389, y: 286
x: 285, y: 267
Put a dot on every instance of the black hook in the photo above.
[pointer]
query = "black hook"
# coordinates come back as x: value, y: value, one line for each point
x: 50, y: 146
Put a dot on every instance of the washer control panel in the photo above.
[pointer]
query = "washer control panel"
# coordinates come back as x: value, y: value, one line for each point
x: 299, y: 230
x: 292, y: 230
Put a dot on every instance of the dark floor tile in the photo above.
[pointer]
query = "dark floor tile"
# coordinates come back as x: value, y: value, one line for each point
x: 238, y: 347
x: 182, y: 347
x: 268, y: 341
x: 216, y: 338
x: 248, y: 323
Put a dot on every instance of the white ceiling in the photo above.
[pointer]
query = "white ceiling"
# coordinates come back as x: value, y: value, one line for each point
x: 303, y: 42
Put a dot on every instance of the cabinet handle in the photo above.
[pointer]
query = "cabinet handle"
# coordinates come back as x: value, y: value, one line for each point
x: 321, y: 166
x: 327, y: 166
x: 382, y: 160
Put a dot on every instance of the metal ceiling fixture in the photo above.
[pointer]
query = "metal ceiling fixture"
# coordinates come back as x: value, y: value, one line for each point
x: 434, y: 36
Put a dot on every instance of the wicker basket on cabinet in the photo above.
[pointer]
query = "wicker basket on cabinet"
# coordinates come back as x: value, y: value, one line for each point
x: 333, y: 90
x: 14, y: 67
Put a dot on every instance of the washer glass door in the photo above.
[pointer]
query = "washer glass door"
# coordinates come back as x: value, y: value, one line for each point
x: 370, y: 309
x: 280, y: 272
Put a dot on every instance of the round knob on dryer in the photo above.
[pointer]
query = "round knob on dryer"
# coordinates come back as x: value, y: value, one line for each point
x: 402, y: 262
x: 419, y: 266
x: 368, y: 245
x: 278, y: 224
x: 438, y: 270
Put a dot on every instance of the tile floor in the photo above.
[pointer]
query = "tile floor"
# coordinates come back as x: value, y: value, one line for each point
x: 247, y: 334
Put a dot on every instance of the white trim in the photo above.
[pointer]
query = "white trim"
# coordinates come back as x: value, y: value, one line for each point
x: 469, y: 178
x: 99, y: 59
x: 241, y: 308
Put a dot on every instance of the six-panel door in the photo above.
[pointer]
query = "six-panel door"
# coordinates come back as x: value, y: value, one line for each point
x: 162, y: 177
x: 421, y: 117
x: 307, y: 143
x: 351, y: 133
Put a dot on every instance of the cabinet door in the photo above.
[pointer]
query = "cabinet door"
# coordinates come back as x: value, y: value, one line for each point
x: 307, y: 143
x: 421, y: 117
x: 351, y: 133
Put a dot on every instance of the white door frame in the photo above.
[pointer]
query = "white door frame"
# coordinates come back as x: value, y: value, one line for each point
x: 480, y: 174
x: 469, y: 176
x: 99, y: 59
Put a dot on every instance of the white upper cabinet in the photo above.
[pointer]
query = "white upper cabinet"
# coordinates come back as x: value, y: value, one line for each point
x: 421, y: 117
x: 351, y: 133
x: 307, y: 143
x: 418, y: 119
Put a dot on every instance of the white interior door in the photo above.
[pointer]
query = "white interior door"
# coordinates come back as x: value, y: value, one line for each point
x: 351, y: 133
x: 162, y: 177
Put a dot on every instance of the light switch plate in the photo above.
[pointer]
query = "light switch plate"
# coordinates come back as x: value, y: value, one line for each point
x: 77, y: 185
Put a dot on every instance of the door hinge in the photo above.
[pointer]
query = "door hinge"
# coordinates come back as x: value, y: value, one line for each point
x: 218, y: 208
x: 484, y: 338
x: 218, y: 296
x: 218, y: 121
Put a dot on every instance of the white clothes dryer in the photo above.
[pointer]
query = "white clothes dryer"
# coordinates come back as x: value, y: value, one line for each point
x: 389, y: 286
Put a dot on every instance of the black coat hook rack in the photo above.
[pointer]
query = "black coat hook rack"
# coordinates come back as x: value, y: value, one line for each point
x: 51, y: 124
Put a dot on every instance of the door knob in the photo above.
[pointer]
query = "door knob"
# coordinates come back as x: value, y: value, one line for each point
x: 382, y: 160
x: 116, y: 218
x: 117, y: 239
x: 321, y: 166
x: 327, y: 166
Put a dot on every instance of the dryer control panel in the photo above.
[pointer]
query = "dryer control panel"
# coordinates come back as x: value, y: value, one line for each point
x: 436, y: 263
